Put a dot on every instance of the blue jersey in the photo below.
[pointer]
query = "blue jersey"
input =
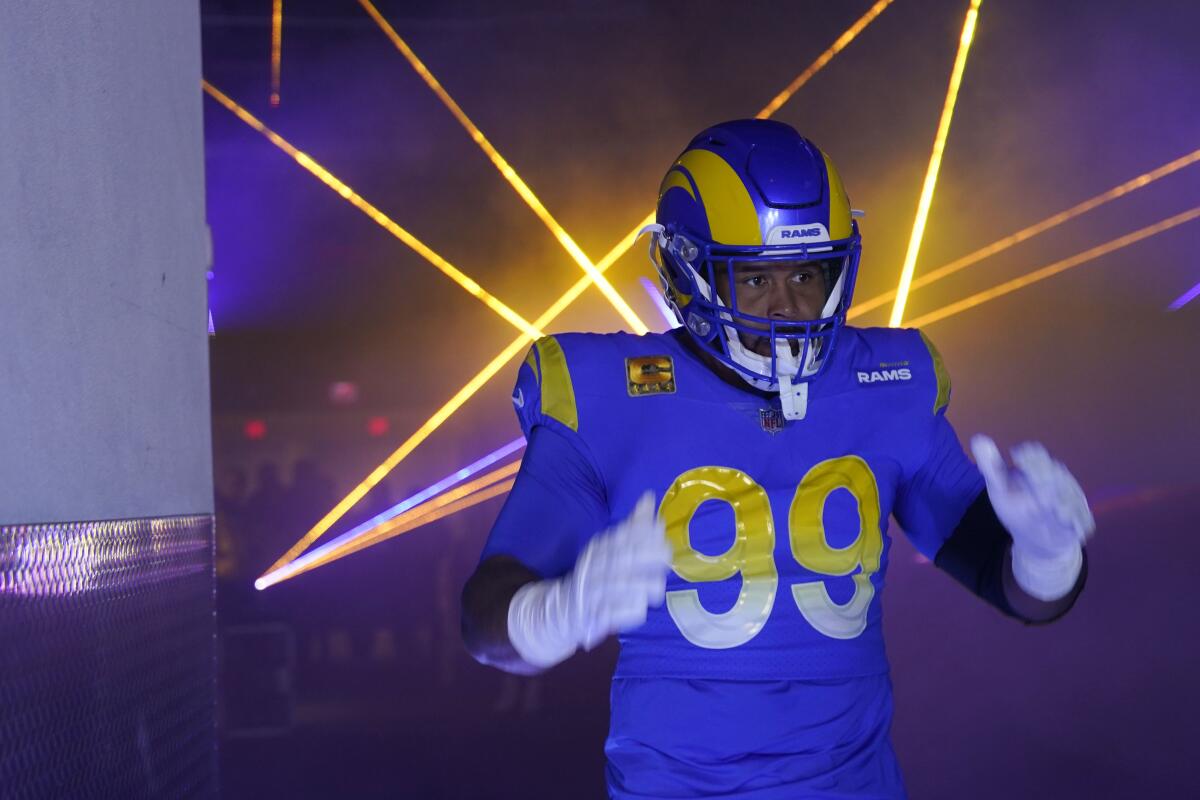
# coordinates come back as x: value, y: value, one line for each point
x: 780, y: 535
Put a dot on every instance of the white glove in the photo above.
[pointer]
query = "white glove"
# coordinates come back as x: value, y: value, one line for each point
x: 1043, y: 507
x: 619, y: 575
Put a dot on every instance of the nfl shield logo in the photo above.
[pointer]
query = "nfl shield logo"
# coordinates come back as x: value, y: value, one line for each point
x: 771, y: 419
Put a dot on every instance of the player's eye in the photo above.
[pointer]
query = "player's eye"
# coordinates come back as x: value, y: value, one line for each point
x: 757, y: 281
x: 803, y: 276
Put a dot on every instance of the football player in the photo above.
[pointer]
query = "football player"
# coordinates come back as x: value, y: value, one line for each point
x: 718, y: 496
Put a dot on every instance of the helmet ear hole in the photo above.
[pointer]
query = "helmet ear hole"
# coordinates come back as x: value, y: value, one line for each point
x: 687, y: 249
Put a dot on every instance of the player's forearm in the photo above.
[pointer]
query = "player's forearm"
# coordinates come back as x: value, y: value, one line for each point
x: 1045, y: 512
x: 1032, y: 609
x: 485, y: 601
x: 979, y: 555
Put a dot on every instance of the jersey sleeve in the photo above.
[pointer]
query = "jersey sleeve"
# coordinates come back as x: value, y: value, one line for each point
x: 558, y: 501
x: 545, y: 393
x: 934, y: 499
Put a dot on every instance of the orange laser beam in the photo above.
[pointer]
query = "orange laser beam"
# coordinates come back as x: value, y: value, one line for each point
x: 935, y: 163
x: 410, y: 520
x: 1052, y: 221
x: 838, y: 46
x: 434, y: 514
x: 384, y: 530
x: 1053, y: 269
x: 276, y: 48
x: 383, y: 220
x: 509, y: 173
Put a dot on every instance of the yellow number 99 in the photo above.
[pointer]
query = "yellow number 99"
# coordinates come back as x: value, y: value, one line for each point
x: 752, y: 551
x: 751, y: 554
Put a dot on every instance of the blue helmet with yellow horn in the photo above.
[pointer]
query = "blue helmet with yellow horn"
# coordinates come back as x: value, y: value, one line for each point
x: 755, y: 190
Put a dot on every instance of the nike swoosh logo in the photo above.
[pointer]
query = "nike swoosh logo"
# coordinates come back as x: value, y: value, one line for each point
x: 519, y: 399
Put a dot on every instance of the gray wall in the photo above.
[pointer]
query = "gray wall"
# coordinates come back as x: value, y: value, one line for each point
x: 104, y: 392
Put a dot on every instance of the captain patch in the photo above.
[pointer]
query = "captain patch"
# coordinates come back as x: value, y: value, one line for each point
x: 650, y: 375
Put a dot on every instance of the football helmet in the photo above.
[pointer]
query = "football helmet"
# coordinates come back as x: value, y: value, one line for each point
x: 755, y: 190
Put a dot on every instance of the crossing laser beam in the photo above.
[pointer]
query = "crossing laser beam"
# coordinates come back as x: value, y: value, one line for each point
x: 935, y: 163
x: 1054, y: 220
x: 1051, y: 270
x: 509, y: 173
x: 383, y: 220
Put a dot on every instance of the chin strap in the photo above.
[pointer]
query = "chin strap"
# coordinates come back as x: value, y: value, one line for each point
x: 793, y: 397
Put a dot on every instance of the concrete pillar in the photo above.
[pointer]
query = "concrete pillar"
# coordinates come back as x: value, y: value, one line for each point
x: 106, y: 499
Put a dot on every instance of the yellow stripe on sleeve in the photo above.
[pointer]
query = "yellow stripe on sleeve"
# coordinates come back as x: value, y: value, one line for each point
x: 558, y: 394
x: 943, y: 377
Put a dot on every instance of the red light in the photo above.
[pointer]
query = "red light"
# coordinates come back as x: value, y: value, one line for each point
x: 378, y: 426
x: 255, y: 429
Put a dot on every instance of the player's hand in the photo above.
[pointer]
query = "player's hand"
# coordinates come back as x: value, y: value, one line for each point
x: 620, y: 575
x: 617, y: 578
x: 1044, y: 509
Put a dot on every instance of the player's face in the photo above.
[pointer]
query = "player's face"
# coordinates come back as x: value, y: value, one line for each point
x: 781, y: 291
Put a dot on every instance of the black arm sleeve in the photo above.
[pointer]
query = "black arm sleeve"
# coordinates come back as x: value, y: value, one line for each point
x: 977, y: 556
x: 485, y: 601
